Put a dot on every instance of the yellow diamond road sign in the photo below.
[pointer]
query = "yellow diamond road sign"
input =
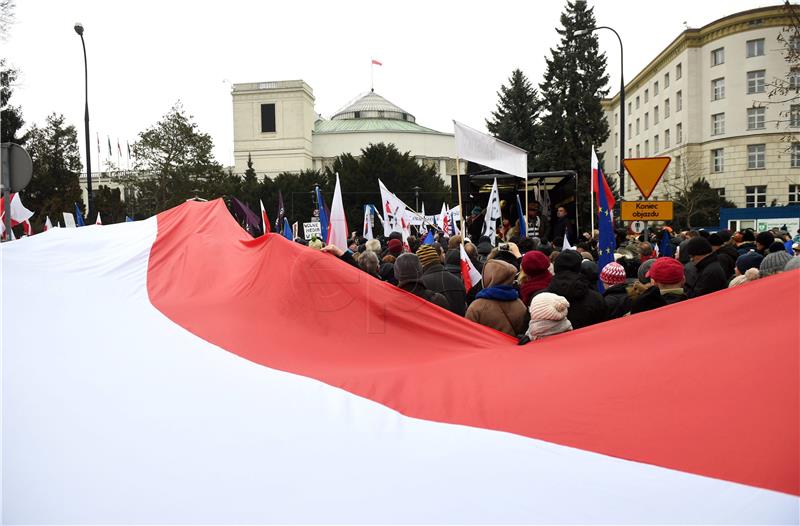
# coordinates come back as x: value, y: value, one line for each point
x: 646, y: 172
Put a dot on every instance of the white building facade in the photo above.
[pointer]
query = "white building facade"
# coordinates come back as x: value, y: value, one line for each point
x: 275, y: 124
x: 705, y: 102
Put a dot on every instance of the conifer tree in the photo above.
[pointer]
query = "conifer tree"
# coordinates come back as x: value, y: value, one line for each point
x: 517, y: 116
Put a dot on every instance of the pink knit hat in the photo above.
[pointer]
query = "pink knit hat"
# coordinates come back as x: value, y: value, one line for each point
x: 613, y: 274
x: 549, y: 306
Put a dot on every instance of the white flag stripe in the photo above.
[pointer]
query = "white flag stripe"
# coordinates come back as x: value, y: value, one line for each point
x: 337, y: 228
x: 488, y: 151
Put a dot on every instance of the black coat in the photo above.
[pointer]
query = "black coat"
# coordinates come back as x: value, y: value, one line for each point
x: 710, y: 277
x: 727, y: 256
x: 617, y: 301
x: 653, y: 299
x: 418, y: 288
x: 586, y: 306
x: 437, y: 279
x: 562, y: 226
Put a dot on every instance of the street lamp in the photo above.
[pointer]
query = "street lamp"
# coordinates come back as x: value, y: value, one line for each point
x: 581, y: 32
x: 416, y: 197
x: 90, y: 204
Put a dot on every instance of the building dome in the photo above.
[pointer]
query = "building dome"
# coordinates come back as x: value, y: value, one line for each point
x: 373, y: 106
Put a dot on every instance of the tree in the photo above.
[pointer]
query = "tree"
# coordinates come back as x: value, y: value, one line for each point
x: 573, y: 87
x: 298, y: 194
x: 108, y: 203
x: 176, y: 163
x: 55, y: 187
x: 516, y: 120
x: 12, y: 121
x: 251, y: 187
x: 696, y: 203
x: 400, y: 172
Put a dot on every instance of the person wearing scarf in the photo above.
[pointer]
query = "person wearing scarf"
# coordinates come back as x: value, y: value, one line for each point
x: 498, y: 305
x: 537, y: 276
x: 548, y: 316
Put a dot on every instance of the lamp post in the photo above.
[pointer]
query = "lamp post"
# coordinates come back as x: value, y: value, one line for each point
x: 90, y: 204
x: 416, y: 197
x: 621, y: 106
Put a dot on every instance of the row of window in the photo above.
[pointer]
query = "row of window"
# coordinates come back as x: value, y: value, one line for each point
x: 756, y: 157
x: 656, y: 115
x: 756, y: 120
x: 753, y: 48
x: 657, y: 142
x: 756, y: 196
x: 678, y: 75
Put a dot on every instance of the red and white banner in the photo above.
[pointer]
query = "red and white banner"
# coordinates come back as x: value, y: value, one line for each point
x: 227, y: 379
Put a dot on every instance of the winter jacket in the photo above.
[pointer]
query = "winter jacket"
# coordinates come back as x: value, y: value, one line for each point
x: 586, y: 306
x: 727, y: 256
x: 710, y: 277
x: 745, y: 247
x: 498, y: 305
x: 418, y: 289
x: 617, y: 300
x: 654, y: 298
x: 533, y: 284
x: 437, y: 279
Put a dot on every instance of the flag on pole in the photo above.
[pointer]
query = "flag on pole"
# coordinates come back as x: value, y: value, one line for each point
x: 281, y: 213
x: 664, y: 245
x: 98, y: 144
x: 377, y: 62
x: 469, y: 273
x: 395, y: 211
x: 367, y: 231
x: 610, y: 201
x: 47, y: 224
x: 109, y: 145
x: 119, y: 149
x: 429, y: 240
x: 444, y: 220
x: 287, y: 230
x: 19, y: 213
x: 78, y: 216
x: 606, y: 242
x: 323, y: 215
x: 488, y: 151
x: 567, y: 245
x: 264, y: 218
x: 523, y: 223
x: 129, y: 149
x: 492, y: 214
x: 128, y: 219
x: 98, y: 221
x: 337, y: 231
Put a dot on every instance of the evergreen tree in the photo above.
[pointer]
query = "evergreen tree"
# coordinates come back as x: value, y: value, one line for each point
x: 516, y: 119
x: 11, y: 122
x: 108, y: 203
x: 573, y: 87
x: 250, y: 186
x: 55, y: 187
x: 698, y: 206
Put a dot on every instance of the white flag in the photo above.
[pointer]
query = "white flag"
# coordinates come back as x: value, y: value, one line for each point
x: 488, y: 151
x: 47, y: 224
x: 367, y: 232
x: 99, y: 221
x: 567, y: 245
x: 395, y: 212
x: 492, y: 214
x: 442, y: 220
x: 337, y: 226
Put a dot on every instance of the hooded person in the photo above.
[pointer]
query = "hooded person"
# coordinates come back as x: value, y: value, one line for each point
x: 615, y: 294
x: 408, y: 272
x: 536, y: 275
x: 748, y: 242
x: 497, y: 305
x: 452, y: 262
x: 548, y: 316
x: 587, y: 306
x: 774, y: 263
x: 726, y: 253
x: 710, y: 275
x: 436, y: 278
x: 667, y: 279
x: 763, y: 241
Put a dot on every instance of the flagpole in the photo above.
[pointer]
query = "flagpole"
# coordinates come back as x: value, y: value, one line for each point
x: 460, y: 203
x: 371, y: 75
x: 591, y: 196
x: 525, y: 212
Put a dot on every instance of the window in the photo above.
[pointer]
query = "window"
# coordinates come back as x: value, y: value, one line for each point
x: 678, y: 101
x: 796, y: 155
x: 630, y: 131
x: 655, y: 144
x: 755, y: 196
x: 666, y: 108
x: 794, y: 194
x: 755, y: 118
x: 267, y: 118
x: 679, y: 133
x: 794, y: 44
x: 666, y: 80
x: 616, y: 139
x: 755, y: 156
x: 755, y: 48
x: 630, y: 108
x: 630, y: 153
x: 718, y: 57
x: 646, y: 121
x: 755, y: 81
x: 666, y: 138
x: 678, y: 72
x: 678, y: 165
x: 794, y: 78
x: 637, y: 126
x: 616, y: 118
x: 647, y: 148
x: 720, y: 192
x: 638, y: 151
x: 794, y: 115
x: 637, y: 102
x: 717, y: 160
x: 655, y: 88
x: 655, y: 115
x: 718, y: 124
x: 718, y: 89
x: 646, y: 95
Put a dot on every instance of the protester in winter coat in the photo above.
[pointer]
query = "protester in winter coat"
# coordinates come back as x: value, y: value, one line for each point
x: 726, y: 254
x: 774, y: 263
x: 437, y: 279
x: 498, y: 305
x: 395, y: 247
x: 452, y: 262
x: 368, y: 262
x: 792, y: 264
x: 536, y: 275
x: 747, y: 261
x: 748, y: 242
x: 615, y: 294
x: 667, y: 279
x: 548, y: 316
x: 586, y: 305
x: 408, y: 272
x: 683, y: 256
x: 710, y: 275
x: 763, y: 241
x: 386, y: 273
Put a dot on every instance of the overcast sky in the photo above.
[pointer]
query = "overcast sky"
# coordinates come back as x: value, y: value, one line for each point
x: 443, y: 60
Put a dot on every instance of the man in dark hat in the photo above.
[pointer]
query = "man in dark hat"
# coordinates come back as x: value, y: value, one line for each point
x: 408, y: 271
x: 586, y: 305
x: 710, y: 274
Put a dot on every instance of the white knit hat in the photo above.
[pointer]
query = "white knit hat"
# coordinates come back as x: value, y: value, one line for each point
x: 549, y: 306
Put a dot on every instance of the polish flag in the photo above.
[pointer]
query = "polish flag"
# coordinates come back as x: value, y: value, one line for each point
x: 233, y: 380
x: 47, y: 224
x: 377, y: 63
x: 264, y: 217
x: 337, y: 227
x: 469, y: 273
x: 609, y: 195
x: 99, y: 221
x: 19, y: 214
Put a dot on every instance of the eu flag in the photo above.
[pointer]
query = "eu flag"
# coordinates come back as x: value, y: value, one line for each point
x: 287, y: 230
x: 523, y: 221
x: 323, y: 216
x: 606, y: 243
x: 78, y: 216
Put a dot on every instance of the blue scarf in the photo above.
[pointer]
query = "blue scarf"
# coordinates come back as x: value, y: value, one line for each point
x: 499, y: 292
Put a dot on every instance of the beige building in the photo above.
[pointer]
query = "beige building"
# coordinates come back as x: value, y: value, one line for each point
x: 276, y: 124
x: 705, y: 102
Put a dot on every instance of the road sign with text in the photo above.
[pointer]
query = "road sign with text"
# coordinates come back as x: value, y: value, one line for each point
x: 646, y: 172
x: 646, y: 210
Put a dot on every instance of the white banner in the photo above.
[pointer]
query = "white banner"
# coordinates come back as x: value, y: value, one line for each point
x: 488, y: 151
x: 312, y: 229
x: 492, y: 214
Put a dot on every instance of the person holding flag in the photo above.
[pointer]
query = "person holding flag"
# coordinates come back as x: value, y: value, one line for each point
x: 606, y: 243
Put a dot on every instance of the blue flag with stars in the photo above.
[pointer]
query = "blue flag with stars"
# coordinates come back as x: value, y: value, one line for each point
x: 606, y: 243
x: 78, y: 216
x: 523, y: 222
x: 287, y: 230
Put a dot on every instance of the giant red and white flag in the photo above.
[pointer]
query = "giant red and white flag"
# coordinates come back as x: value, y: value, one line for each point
x: 237, y: 380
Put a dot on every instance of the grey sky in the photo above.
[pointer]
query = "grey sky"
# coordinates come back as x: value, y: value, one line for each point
x: 442, y: 60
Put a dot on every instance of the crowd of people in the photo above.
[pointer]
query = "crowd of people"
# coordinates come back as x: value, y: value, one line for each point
x: 531, y: 289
